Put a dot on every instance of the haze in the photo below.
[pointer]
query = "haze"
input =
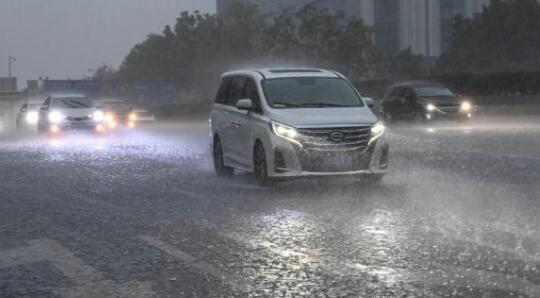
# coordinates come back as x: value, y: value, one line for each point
x: 67, y: 38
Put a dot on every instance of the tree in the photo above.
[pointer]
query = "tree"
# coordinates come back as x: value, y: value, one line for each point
x: 105, y: 73
x: 503, y: 37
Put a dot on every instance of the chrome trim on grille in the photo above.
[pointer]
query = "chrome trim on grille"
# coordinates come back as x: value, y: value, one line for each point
x: 319, y: 139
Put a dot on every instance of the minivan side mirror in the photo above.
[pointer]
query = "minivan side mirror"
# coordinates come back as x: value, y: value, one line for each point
x: 244, y: 104
x: 369, y: 101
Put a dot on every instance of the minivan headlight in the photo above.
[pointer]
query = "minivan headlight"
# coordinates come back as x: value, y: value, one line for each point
x: 56, y: 117
x: 377, y: 130
x: 287, y: 132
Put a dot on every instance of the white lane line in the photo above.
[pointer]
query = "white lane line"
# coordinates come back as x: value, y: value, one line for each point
x: 88, y: 281
x: 228, y: 278
x: 110, y: 289
x: 49, y: 250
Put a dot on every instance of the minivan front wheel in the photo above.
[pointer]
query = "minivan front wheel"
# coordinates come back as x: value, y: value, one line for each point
x: 219, y: 164
x: 260, y: 165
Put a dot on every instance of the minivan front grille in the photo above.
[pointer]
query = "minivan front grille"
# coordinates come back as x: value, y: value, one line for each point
x: 335, y: 139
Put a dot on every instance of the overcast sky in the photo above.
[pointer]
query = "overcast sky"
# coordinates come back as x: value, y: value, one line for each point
x: 65, y: 38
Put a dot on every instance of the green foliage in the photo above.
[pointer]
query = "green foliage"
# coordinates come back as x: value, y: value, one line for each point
x: 201, y: 46
x: 504, y: 37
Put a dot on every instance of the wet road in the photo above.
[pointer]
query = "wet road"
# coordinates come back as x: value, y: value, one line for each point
x: 141, y: 214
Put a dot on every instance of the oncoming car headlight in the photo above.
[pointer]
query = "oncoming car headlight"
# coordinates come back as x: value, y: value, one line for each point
x: 132, y: 117
x: 431, y: 107
x: 32, y: 117
x: 466, y: 106
x: 377, y: 130
x: 56, y: 117
x: 287, y: 132
x: 98, y: 116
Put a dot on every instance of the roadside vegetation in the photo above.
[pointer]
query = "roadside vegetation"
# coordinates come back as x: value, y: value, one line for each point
x: 500, y: 41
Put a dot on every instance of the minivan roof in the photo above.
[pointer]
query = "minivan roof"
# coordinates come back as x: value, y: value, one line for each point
x: 66, y: 95
x: 285, y: 72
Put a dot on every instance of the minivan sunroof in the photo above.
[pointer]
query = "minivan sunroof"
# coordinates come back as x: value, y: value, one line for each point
x: 293, y: 70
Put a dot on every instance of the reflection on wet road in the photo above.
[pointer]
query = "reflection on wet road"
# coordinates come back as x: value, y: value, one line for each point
x: 143, y: 211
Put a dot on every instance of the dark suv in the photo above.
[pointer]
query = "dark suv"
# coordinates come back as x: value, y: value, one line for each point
x: 423, y: 101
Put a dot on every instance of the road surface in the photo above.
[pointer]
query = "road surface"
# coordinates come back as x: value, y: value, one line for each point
x: 141, y: 214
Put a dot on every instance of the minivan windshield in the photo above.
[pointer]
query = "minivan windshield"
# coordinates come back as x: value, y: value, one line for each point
x: 72, y: 103
x: 310, y: 92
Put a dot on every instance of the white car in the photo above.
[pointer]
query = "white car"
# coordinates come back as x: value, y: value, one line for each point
x: 69, y: 112
x: 282, y: 123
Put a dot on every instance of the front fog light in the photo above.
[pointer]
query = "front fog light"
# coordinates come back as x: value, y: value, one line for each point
x: 286, y: 132
x: 466, y: 106
x: 56, y: 117
x: 377, y: 130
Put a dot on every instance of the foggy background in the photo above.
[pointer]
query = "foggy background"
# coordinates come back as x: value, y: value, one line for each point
x: 66, y: 38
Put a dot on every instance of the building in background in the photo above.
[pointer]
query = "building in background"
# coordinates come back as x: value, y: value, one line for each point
x: 8, y: 84
x: 425, y: 26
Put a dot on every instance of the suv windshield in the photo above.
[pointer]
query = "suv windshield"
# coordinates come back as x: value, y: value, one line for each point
x: 433, y: 91
x: 310, y: 92
x: 72, y: 103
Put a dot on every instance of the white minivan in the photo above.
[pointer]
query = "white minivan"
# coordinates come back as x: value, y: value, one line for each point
x: 299, y: 122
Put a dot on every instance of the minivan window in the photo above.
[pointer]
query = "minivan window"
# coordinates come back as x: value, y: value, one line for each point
x: 72, y: 103
x: 236, y: 90
x: 252, y: 93
x: 221, y: 96
x: 310, y: 92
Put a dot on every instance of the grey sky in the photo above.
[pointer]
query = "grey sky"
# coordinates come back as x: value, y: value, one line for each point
x: 65, y: 38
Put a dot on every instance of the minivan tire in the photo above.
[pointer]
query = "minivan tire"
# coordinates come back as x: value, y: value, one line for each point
x: 219, y: 164
x: 260, y: 165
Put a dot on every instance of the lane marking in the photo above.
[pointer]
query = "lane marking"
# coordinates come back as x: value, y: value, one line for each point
x: 88, y: 281
x: 232, y: 280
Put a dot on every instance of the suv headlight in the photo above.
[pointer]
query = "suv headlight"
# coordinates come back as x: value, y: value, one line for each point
x: 466, y: 106
x: 287, y: 132
x: 431, y: 107
x: 377, y: 130
x: 56, y: 117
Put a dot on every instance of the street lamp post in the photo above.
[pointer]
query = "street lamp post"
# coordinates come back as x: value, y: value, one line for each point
x: 11, y: 60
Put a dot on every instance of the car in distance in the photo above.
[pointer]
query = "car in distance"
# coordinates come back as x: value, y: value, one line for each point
x: 117, y: 112
x: 28, y: 116
x: 423, y: 101
x: 69, y: 112
x: 283, y: 123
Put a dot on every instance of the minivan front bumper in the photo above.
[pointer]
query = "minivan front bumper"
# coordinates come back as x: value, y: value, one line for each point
x: 291, y: 160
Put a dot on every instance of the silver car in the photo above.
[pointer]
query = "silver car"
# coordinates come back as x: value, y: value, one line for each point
x: 61, y: 113
x: 283, y: 123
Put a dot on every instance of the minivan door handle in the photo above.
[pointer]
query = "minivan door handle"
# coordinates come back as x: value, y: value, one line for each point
x: 236, y: 124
